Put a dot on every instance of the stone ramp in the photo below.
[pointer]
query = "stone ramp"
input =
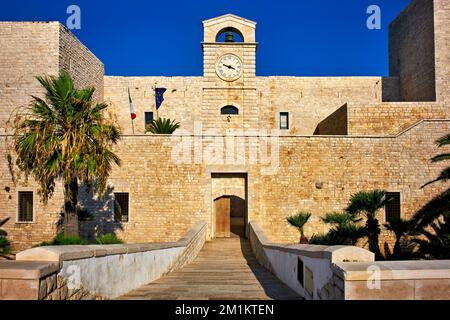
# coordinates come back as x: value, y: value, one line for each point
x: 225, y: 269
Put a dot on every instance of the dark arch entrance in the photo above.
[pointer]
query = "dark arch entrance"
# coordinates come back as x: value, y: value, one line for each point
x: 230, y: 216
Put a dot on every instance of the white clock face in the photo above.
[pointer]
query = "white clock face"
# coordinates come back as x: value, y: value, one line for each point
x: 229, y: 67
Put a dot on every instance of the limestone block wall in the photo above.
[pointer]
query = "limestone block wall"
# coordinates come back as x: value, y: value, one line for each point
x: 412, y: 51
x: 182, y: 100
x: 27, y: 50
x: 316, y: 174
x: 334, y: 124
x: 84, y: 67
x: 170, y: 191
x: 44, y: 226
x: 442, y: 50
x: 196, y: 104
x: 390, y: 118
x: 31, y: 49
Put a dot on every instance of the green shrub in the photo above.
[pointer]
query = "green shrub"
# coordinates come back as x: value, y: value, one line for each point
x: 62, y: 240
x: 327, y: 239
x: 108, y: 238
x: 5, y: 246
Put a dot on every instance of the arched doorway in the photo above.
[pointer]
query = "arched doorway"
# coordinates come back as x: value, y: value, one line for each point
x: 230, y: 212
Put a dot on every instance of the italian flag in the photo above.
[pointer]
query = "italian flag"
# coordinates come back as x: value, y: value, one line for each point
x: 133, y: 114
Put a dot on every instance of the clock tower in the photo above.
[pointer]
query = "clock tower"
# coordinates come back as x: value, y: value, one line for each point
x: 229, y: 83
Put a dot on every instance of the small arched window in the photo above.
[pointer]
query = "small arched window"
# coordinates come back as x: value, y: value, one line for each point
x: 229, y: 110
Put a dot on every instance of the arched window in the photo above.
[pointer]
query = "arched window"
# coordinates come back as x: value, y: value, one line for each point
x: 229, y: 35
x: 229, y: 110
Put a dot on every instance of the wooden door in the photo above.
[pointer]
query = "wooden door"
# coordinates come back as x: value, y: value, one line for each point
x: 223, y: 208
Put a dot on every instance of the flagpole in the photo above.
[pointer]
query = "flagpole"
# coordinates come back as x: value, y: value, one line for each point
x: 132, y: 125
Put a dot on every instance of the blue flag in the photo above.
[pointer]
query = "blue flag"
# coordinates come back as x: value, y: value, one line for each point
x: 159, y: 95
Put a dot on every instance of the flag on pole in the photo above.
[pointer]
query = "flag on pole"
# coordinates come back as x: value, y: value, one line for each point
x: 133, y: 114
x: 159, y: 95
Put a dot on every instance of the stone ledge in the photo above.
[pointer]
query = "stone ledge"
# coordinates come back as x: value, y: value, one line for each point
x: 333, y: 253
x: 59, y: 254
x: 394, y: 270
x: 26, y: 270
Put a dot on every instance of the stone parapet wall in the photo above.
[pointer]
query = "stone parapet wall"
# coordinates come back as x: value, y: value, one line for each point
x: 94, y: 271
x: 350, y: 273
x: 315, y: 280
x: 395, y: 280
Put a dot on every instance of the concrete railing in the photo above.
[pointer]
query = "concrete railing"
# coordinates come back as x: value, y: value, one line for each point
x: 350, y: 273
x: 94, y: 271
x: 395, y: 280
x: 307, y: 269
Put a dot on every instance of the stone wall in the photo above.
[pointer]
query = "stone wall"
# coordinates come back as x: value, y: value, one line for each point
x: 31, y: 49
x: 390, y: 118
x: 412, y: 51
x: 316, y: 174
x: 197, y: 106
x: 334, y: 124
x: 84, y: 67
x: 442, y: 51
x: 44, y: 225
x: 94, y: 271
x: 171, y: 191
x: 395, y: 280
x: 27, y: 50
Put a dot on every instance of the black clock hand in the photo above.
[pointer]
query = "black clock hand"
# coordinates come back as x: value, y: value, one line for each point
x: 228, y: 66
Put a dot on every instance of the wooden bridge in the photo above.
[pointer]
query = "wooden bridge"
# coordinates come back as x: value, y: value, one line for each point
x: 225, y: 269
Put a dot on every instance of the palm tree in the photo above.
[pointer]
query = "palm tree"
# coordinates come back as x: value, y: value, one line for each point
x: 431, y: 226
x: 445, y: 173
x: 368, y: 203
x: 400, y: 227
x: 345, y: 227
x: 66, y: 137
x: 435, y: 243
x: 162, y: 126
x: 299, y: 220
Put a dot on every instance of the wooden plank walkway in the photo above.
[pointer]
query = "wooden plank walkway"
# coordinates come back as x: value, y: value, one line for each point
x: 225, y: 269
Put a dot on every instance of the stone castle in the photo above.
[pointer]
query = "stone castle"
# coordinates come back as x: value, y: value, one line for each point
x: 257, y: 148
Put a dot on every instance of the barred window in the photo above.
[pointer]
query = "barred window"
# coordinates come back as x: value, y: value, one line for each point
x: 25, y: 207
x: 284, y: 120
x: 393, y: 206
x: 121, y: 206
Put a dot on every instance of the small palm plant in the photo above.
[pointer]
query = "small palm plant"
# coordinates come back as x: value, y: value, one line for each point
x: 345, y: 227
x: 368, y: 203
x: 162, y: 126
x: 298, y: 221
x: 399, y: 227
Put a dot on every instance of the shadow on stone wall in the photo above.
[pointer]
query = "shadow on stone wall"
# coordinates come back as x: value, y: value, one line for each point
x: 96, y: 216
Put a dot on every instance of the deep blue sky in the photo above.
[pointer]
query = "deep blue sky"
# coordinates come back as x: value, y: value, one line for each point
x: 296, y: 37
